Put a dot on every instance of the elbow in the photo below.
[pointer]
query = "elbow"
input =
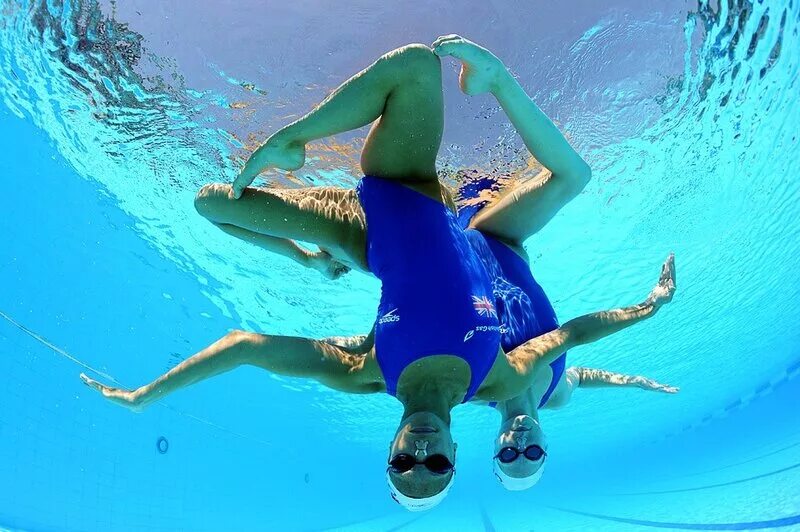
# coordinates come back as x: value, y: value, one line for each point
x: 576, y: 334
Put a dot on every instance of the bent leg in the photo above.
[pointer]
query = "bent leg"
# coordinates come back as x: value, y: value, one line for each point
x: 528, y: 207
x: 404, y: 142
x: 329, y: 217
x: 403, y: 91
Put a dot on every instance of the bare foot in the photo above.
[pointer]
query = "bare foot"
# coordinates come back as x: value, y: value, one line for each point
x: 276, y: 152
x: 481, y: 70
x: 115, y: 395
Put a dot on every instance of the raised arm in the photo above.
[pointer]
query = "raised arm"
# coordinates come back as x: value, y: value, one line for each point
x: 541, y: 198
x: 592, y: 327
x: 350, y: 370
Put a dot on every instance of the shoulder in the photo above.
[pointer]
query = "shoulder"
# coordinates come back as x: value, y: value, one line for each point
x: 504, y: 381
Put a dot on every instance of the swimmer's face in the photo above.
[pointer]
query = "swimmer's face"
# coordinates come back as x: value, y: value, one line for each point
x: 422, y: 435
x: 520, y: 432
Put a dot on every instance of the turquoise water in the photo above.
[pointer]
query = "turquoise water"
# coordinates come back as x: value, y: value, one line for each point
x: 113, y: 115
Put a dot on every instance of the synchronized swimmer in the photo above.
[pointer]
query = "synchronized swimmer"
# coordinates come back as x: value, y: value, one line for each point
x: 461, y: 317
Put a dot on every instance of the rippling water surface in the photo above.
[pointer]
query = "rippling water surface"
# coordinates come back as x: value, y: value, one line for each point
x: 687, y: 113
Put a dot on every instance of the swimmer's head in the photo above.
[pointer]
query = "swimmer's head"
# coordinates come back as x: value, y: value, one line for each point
x: 519, y: 453
x: 421, y: 466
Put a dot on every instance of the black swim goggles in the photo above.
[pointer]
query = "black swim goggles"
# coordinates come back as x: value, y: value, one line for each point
x: 436, y: 463
x: 531, y: 452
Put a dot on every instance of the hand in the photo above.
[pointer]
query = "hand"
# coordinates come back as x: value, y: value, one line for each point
x: 121, y: 397
x: 277, y: 152
x: 481, y: 70
x: 326, y: 265
x: 649, y: 384
x: 665, y: 289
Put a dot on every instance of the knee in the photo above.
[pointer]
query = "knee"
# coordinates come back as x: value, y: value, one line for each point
x: 240, y: 341
x: 241, y: 346
x: 209, y: 198
x: 237, y: 336
x: 416, y: 58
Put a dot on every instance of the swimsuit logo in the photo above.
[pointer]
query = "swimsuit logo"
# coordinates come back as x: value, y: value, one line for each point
x: 481, y: 328
x: 389, y: 317
x: 483, y: 306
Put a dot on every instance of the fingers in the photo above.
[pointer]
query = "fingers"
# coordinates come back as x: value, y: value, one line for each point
x: 91, y: 383
x: 666, y: 388
x: 107, y: 391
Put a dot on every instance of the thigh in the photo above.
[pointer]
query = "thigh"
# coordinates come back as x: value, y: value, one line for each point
x: 404, y: 141
x: 526, y: 209
x: 329, y: 217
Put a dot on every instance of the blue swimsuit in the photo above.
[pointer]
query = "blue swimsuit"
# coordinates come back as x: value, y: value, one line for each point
x: 523, y: 308
x: 436, y: 296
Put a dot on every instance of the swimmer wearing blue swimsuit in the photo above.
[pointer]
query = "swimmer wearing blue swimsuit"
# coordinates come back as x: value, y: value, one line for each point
x: 525, y: 312
x: 436, y: 296
x: 439, y: 288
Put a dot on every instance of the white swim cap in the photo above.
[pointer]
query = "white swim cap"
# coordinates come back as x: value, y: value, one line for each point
x: 514, y: 483
x: 418, y: 505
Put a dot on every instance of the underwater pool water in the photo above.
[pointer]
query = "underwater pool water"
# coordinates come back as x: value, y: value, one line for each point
x: 113, y: 114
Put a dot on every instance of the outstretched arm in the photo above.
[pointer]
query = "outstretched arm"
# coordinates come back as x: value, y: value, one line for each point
x: 600, y: 378
x: 592, y: 327
x: 529, y: 206
x: 333, y: 366
x: 577, y: 377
